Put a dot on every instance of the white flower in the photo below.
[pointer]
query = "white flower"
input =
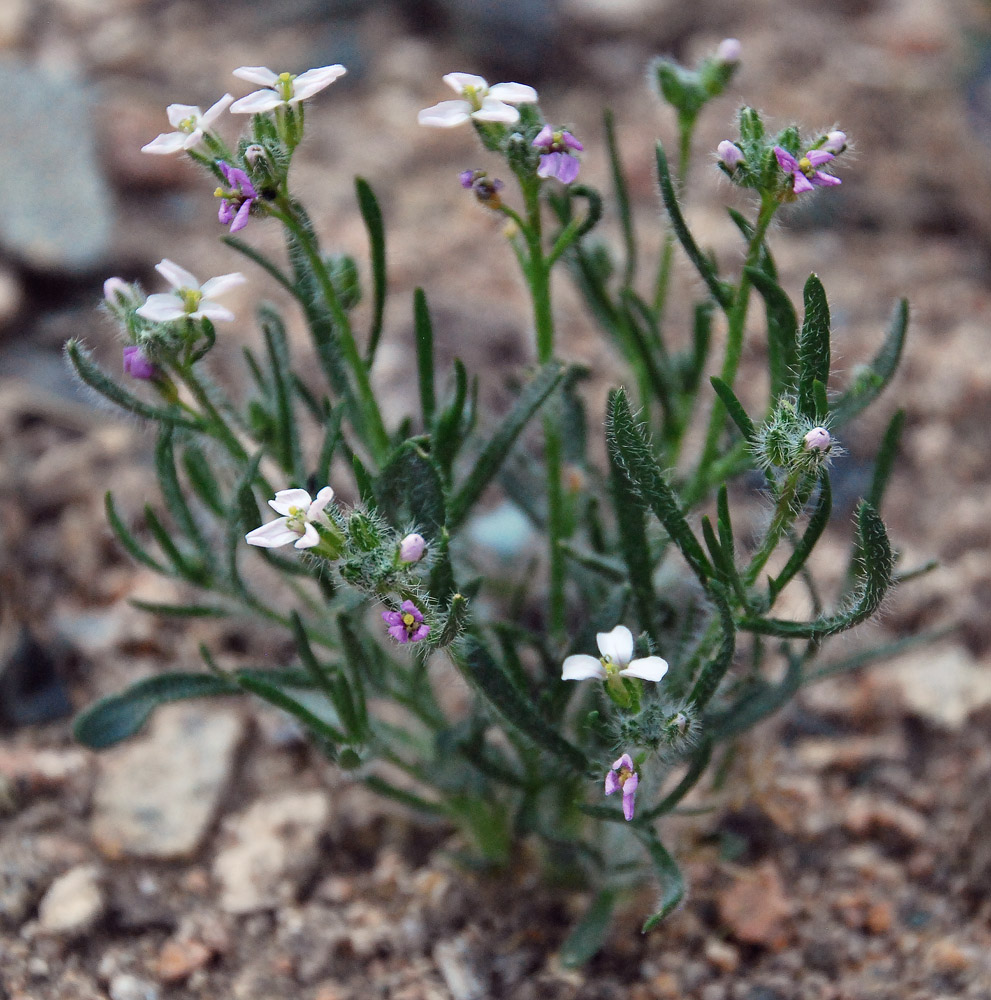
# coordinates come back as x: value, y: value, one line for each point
x: 616, y: 648
x: 299, y: 516
x: 479, y: 101
x: 190, y: 123
x: 190, y: 299
x: 282, y: 88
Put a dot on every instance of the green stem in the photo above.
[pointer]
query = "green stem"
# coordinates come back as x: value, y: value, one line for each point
x: 784, y: 515
x: 685, y: 130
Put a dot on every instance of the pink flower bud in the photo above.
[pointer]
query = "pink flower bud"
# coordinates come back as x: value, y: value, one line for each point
x: 411, y: 548
x: 835, y: 142
x: 116, y: 289
x: 730, y: 154
x: 729, y: 51
x: 818, y: 439
x: 136, y: 364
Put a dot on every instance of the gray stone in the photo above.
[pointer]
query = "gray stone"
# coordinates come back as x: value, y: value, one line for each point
x: 73, y: 903
x: 156, y: 797
x: 272, y: 846
x: 56, y: 212
x: 128, y: 987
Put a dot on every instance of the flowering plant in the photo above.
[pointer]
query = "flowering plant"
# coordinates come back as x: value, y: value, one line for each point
x: 381, y: 577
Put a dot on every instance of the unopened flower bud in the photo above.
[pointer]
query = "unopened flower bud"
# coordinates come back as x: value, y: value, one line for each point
x: 729, y: 51
x: 818, y: 439
x: 116, y: 290
x: 835, y: 142
x: 411, y: 548
x: 136, y: 364
x: 730, y: 154
x: 254, y: 153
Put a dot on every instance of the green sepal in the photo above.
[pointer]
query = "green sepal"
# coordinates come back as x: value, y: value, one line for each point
x: 628, y: 446
x: 371, y: 214
x: 495, y: 452
x: 813, y: 349
x: 868, y: 383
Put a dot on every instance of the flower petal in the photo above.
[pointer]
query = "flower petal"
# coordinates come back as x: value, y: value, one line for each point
x: 817, y: 157
x: 213, y: 112
x: 581, y: 668
x: 545, y: 137
x: 320, y: 501
x: 786, y: 161
x: 567, y: 168
x: 513, y: 93
x: 178, y: 113
x: 176, y: 276
x: 241, y: 219
x: 612, y: 783
x: 819, y: 179
x: 257, y: 103
x: 392, y: 618
x: 309, y: 538
x: 447, y: 114
x: 261, y: 75
x: 460, y: 82
x: 271, y: 535
x: 496, y: 111
x: 802, y: 183
x: 616, y: 645
x: 222, y: 284
x: 285, y: 499
x: 165, y: 144
x: 409, y: 608
x: 649, y: 668
x: 625, y: 761
x: 314, y: 80
x: 161, y: 308
x: 213, y: 311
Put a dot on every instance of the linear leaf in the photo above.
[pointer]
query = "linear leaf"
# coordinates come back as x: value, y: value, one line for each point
x: 371, y: 213
x: 589, y: 935
x: 782, y: 331
x: 813, y: 348
x: 735, y: 409
x: 668, y: 874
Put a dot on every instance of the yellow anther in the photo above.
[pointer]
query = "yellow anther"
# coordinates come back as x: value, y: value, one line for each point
x: 408, y: 620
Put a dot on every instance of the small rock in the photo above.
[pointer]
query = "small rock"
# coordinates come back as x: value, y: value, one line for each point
x: 880, y: 917
x: 273, y: 845
x: 73, y: 903
x: 865, y: 815
x: 180, y: 959
x: 155, y: 798
x: 755, y: 907
x: 722, y: 955
x: 453, y: 960
x: 42, y: 770
x: 128, y: 987
x: 71, y: 232
x: 948, y: 957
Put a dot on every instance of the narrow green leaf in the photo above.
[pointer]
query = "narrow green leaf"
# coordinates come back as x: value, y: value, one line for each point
x: 124, y: 536
x: 182, y: 566
x: 288, y: 451
x: 885, y: 460
x: 173, y: 494
x: 119, y: 716
x: 331, y: 439
x: 628, y: 446
x: 875, y: 564
x: 715, y: 670
x: 90, y: 373
x: 410, y: 481
x: 589, y: 935
x: 813, y: 348
x: 720, y: 292
x: 868, y: 383
x: 448, y: 431
x: 622, y: 200
x: 363, y: 479
x: 698, y: 766
x: 694, y: 364
x: 424, y: 356
x: 495, y: 452
x: 179, y: 610
x: 633, y: 545
x: 765, y: 262
x: 782, y: 331
x: 371, y: 213
x: 668, y: 874
x: 262, y: 261
x: 268, y: 691
x: 735, y: 409
x: 202, y: 479
x: 409, y: 799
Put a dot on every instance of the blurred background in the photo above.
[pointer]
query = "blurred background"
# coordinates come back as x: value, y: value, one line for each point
x: 217, y: 864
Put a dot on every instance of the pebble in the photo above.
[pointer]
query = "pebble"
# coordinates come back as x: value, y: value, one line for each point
x: 69, y: 233
x: 156, y: 797
x: 178, y: 960
x: 73, y: 903
x: 270, y: 848
x: 722, y: 955
x: 453, y: 959
x: 754, y: 908
x: 128, y: 987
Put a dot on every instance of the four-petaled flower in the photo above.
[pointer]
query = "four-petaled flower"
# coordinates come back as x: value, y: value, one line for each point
x: 136, y: 364
x: 282, y: 88
x: 616, y: 648
x: 478, y: 101
x: 190, y: 124
x: 804, y: 172
x: 557, y: 159
x: 189, y: 299
x: 623, y: 777
x: 238, y: 197
x: 406, y: 624
x: 300, y: 516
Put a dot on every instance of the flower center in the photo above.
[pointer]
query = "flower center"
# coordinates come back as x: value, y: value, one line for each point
x: 473, y: 95
x: 623, y: 775
x: 191, y: 298
x: 188, y: 125
x: 805, y: 165
x: 283, y: 86
x: 409, y: 621
x: 610, y: 666
x: 296, y: 520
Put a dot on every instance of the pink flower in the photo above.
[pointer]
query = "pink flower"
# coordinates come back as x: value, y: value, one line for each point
x: 557, y: 160
x: 804, y: 172
x: 623, y: 777
x: 238, y: 197
x: 730, y: 154
x: 136, y: 364
x: 406, y: 624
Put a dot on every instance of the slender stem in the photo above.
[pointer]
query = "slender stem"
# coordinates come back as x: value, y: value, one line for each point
x: 379, y: 443
x: 784, y: 515
x: 685, y: 130
x: 736, y: 320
